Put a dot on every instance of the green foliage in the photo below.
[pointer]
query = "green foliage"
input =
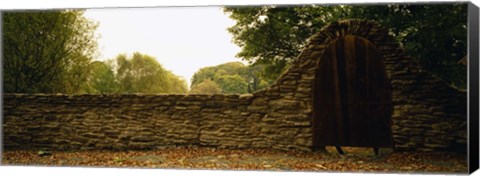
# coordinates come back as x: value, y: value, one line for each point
x: 207, y: 86
x: 176, y: 84
x: 102, y: 79
x: 143, y: 74
x: 436, y: 35
x: 138, y: 74
x: 47, y: 51
x: 232, y: 77
x: 257, y: 78
x: 229, y: 68
x: 232, y: 83
x: 275, y: 35
x: 203, y: 74
x: 52, y: 52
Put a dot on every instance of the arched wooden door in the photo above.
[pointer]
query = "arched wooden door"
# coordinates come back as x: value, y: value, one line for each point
x: 352, y: 96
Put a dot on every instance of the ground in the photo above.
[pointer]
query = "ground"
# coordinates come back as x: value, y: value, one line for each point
x: 355, y: 160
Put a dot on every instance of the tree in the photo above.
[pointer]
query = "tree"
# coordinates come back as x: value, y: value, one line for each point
x: 233, y: 77
x: 436, y: 35
x: 232, y: 84
x: 177, y: 84
x: 143, y: 74
x: 102, y: 79
x: 275, y: 35
x: 203, y: 74
x: 206, y: 87
x: 229, y: 68
x: 254, y: 76
x: 47, y: 51
x: 76, y: 76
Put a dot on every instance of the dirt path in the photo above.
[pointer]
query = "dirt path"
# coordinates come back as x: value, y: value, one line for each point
x: 355, y: 160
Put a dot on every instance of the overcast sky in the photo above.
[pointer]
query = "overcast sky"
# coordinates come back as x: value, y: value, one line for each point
x: 183, y: 39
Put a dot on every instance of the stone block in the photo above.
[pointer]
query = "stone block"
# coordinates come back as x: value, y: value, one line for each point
x: 92, y: 135
x: 257, y: 108
x: 180, y: 108
x: 142, y: 139
x: 140, y: 145
x: 284, y: 104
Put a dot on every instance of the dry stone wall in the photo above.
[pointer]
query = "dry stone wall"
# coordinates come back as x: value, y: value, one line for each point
x: 120, y: 122
x: 428, y: 114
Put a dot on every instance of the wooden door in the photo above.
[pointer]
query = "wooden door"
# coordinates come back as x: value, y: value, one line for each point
x: 352, y: 96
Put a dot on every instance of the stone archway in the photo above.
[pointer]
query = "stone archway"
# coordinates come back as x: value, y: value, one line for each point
x: 352, y: 103
x: 297, y: 83
x: 428, y: 114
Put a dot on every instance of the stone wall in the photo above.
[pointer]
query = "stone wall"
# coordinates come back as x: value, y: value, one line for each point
x: 71, y: 122
x: 428, y: 114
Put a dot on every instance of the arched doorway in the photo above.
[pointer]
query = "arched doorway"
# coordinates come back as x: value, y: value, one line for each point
x: 352, y: 103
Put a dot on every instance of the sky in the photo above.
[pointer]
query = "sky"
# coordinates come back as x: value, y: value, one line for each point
x: 182, y: 39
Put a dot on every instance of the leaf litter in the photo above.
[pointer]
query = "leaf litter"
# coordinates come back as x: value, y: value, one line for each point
x: 355, y: 160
